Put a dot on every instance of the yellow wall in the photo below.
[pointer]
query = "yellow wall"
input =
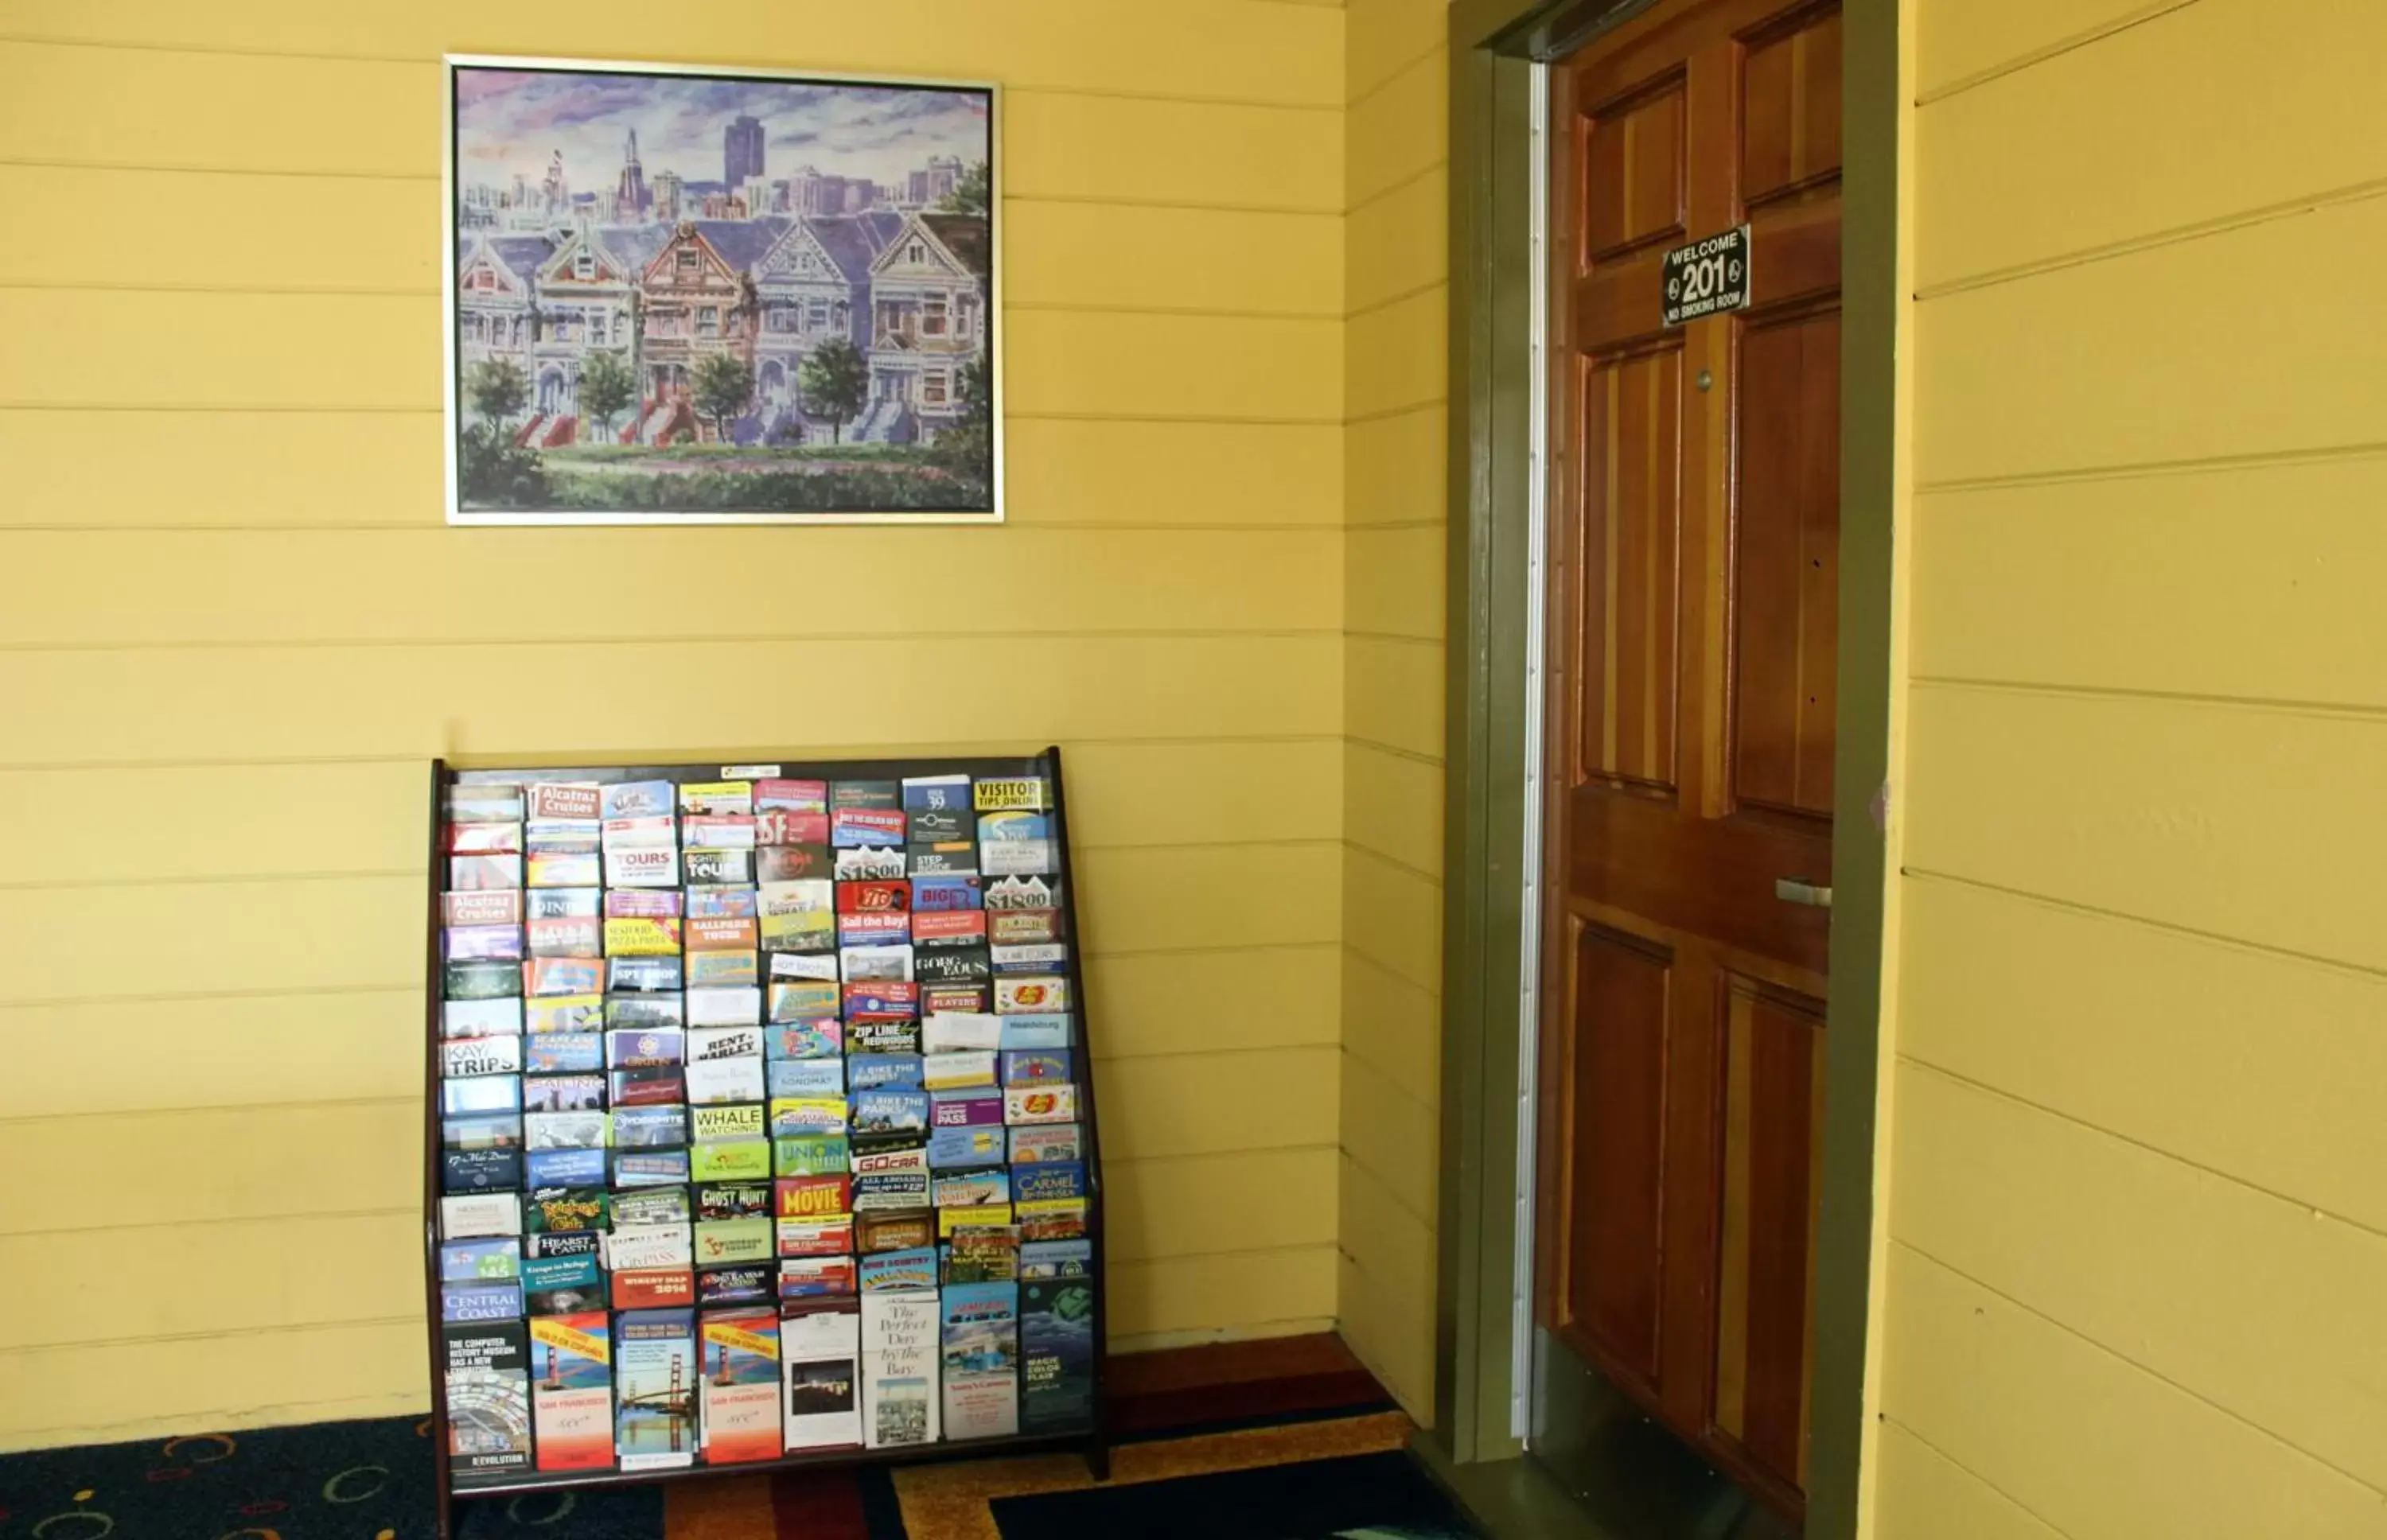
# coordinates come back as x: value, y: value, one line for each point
x: 233, y: 629
x: 1393, y: 261
x: 2137, y: 1276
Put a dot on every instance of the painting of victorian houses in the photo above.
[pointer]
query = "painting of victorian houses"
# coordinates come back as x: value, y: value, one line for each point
x: 680, y: 296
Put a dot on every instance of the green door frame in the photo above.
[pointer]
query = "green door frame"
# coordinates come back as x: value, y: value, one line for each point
x: 1494, y: 46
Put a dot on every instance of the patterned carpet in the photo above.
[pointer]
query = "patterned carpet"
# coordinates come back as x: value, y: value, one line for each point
x: 1295, y: 1456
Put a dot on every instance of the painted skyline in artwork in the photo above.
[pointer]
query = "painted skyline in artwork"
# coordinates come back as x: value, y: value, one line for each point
x: 683, y: 294
x: 513, y: 126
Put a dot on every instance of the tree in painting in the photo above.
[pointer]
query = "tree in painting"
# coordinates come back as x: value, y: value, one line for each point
x: 499, y: 390
x: 835, y: 382
x: 608, y: 386
x: 724, y: 383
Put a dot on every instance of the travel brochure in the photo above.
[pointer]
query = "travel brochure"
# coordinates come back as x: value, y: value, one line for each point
x: 760, y: 1119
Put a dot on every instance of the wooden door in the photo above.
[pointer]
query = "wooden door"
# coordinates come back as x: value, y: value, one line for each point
x: 1695, y: 533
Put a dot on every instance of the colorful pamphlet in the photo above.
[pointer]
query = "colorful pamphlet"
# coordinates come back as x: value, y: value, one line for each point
x: 899, y: 1362
x: 485, y: 1366
x: 569, y: 1208
x: 899, y: 1229
x: 809, y: 1155
x: 822, y: 1078
x: 741, y: 1385
x: 1031, y: 957
x: 796, y: 1115
x: 1024, y: 927
x: 1048, y: 1180
x: 981, y: 1254
x: 708, y: 970
x: 492, y: 1301
x: 819, y: 1346
x: 890, y: 1111
x: 882, y: 1071
x: 981, y: 1106
x: 911, y: 1268
x: 1036, y: 1067
x: 725, y: 1241
x: 1056, y: 1355
x: 716, y: 1080
x: 958, y: 1071
x: 653, y: 1288
x: 1018, y: 994
x: 656, y: 1417
x: 481, y: 1018
x: 468, y: 1056
x: 477, y: 1215
x: 812, y: 1039
x: 981, y: 1360
x: 753, y: 1284
x: 803, y: 1277
x: 1056, y: 1258
x: 882, y: 1191
x: 571, y: 1389
x: 964, y: 1146
x: 820, y: 966
x: 563, y: 1285
x: 631, y: 1247
x: 729, y: 1160
x: 886, y: 1153
x: 812, y: 1197
x: 733, y: 1200
x: 480, y: 1170
x: 649, y: 1167
x: 1052, y: 1218
x: 830, y: 1236
x: 1036, y: 1029
x: 1032, y: 794
x: 485, y: 802
x: 952, y: 1031
x: 952, y: 966
x: 1040, y: 1103
x: 933, y: 930
x: 495, y: 1259
x: 490, y: 980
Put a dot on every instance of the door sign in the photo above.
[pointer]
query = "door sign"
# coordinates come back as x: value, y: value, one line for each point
x: 1706, y: 277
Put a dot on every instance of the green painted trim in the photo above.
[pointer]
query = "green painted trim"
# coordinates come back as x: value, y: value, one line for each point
x: 1873, y: 105
x: 1490, y: 42
x: 1484, y: 760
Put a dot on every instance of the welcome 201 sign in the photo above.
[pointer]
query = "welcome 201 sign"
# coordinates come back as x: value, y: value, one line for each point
x: 1706, y: 277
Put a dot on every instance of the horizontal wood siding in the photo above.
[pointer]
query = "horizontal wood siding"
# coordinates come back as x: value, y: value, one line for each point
x: 2136, y: 1238
x: 233, y: 629
x: 1392, y: 586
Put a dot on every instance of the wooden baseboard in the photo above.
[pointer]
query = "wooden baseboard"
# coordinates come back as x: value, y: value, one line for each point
x: 1229, y: 1381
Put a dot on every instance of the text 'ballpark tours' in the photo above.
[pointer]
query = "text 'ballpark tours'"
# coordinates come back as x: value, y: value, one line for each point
x: 759, y: 1118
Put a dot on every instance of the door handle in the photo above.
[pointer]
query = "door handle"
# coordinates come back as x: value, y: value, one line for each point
x: 1794, y: 890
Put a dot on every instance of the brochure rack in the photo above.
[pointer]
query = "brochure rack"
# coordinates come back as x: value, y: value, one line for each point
x: 1088, y: 1435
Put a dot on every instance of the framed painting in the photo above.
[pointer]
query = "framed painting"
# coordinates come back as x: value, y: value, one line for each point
x: 697, y: 296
